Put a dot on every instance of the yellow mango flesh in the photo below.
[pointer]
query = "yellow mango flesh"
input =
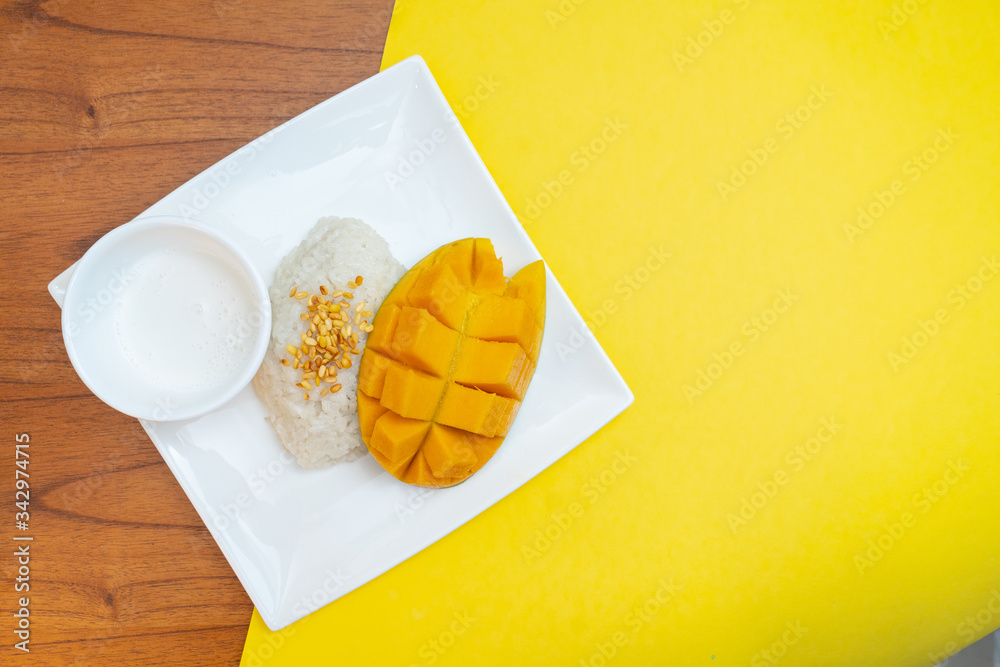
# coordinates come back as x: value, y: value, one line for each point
x: 500, y: 368
x: 453, y: 349
x: 424, y: 343
x: 410, y: 393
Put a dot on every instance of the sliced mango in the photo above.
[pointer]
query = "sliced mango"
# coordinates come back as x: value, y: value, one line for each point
x: 372, y: 411
x: 475, y: 411
x: 410, y: 393
x: 497, y: 367
x: 449, y: 452
x: 422, y: 342
x: 453, y: 349
x: 371, y: 373
x: 397, y: 438
x: 420, y: 473
x: 439, y: 291
x: 487, y: 270
x: 380, y: 338
x: 528, y: 285
x: 505, y: 319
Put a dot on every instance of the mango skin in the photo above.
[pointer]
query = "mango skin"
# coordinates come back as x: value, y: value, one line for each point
x: 451, y: 355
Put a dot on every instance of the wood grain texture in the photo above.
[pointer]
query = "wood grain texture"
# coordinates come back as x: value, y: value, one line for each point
x: 105, y: 107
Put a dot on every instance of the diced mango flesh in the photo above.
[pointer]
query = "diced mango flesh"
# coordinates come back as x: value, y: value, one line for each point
x: 444, y: 371
x: 424, y: 343
x: 505, y: 319
x: 371, y: 373
x: 475, y: 411
x: 487, y: 270
x: 528, y: 285
x: 449, y: 452
x: 410, y: 393
x: 397, y: 438
x: 385, y: 323
x: 439, y: 291
x: 369, y: 415
x: 420, y: 473
x: 496, y: 367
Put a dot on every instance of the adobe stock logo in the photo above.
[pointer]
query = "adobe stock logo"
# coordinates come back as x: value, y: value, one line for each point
x: 786, y: 127
x: 562, y: 12
x: 752, y: 330
x: 957, y: 298
x: 259, y: 655
x: 94, y: 305
x: 900, y: 15
x: 778, y: 649
x: 432, y: 650
x: 424, y: 148
x: 626, y: 287
x: 580, y: 160
x: 971, y: 627
x: 209, y: 185
x: 634, y: 621
x: 563, y: 520
x: 422, y: 151
x: 915, y: 167
x: 413, y: 504
x: 796, y: 459
x: 891, y: 534
x: 324, y: 594
x: 712, y: 30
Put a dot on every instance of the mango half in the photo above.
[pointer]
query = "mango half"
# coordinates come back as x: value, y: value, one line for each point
x: 448, y: 361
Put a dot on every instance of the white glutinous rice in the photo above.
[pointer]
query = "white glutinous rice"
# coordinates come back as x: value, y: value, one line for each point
x: 323, y: 430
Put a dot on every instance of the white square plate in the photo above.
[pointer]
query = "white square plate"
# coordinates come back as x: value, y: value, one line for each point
x: 390, y: 152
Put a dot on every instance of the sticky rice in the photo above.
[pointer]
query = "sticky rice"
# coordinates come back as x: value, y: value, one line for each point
x: 323, y: 430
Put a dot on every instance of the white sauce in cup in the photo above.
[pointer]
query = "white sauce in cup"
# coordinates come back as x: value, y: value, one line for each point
x: 184, y: 319
x: 165, y: 320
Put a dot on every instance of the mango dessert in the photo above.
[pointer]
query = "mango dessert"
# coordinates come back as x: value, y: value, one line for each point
x: 448, y: 359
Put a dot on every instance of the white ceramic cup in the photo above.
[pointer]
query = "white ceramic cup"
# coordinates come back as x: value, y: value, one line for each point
x: 165, y: 320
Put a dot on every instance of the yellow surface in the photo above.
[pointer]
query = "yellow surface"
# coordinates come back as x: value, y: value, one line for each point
x: 784, y: 490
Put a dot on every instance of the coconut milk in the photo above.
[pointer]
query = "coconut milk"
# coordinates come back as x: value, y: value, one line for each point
x: 186, y: 320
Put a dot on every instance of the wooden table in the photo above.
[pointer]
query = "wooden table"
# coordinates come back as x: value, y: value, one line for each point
x: 107, y: 107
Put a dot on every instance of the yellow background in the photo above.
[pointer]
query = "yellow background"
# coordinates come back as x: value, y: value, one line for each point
x: 881, y: 548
